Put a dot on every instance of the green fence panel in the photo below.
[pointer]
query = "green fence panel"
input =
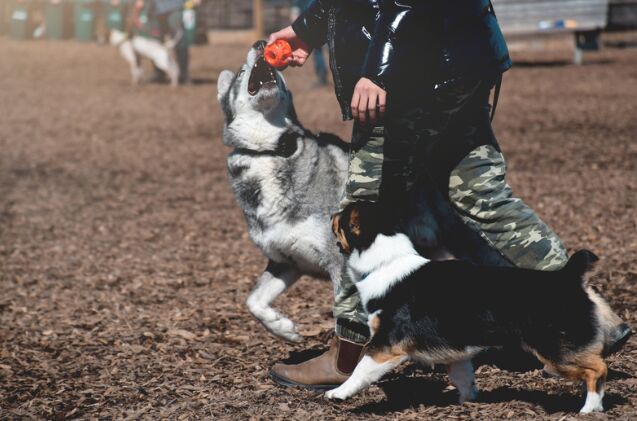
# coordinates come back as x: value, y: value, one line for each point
x: 58, y: 15
x: 4, y: 20
x: 84, y: 20
x: 114, y: 10
x: 21, y: 19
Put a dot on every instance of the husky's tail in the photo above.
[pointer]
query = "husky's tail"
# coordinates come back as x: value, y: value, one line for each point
x: 580, y: 263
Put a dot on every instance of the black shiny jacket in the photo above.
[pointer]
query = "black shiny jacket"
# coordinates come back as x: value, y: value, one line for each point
x: 404, y: 46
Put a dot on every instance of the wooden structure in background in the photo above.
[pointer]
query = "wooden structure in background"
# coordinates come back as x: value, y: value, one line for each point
x: 247, y: 19
x: 537, y: 24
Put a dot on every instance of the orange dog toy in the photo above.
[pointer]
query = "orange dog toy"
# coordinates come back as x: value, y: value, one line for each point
x: 277, y: 53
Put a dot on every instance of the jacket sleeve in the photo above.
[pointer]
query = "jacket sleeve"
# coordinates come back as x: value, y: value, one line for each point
x: 397, y: 22
x: 311, y: 25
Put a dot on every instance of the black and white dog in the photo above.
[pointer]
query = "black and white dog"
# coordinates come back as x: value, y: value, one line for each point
x: 446, y: 312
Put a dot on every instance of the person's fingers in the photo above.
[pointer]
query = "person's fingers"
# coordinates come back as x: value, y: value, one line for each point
x: 273, y: 37
x: 382, y: 98
x: 371, y: 107
x: 362, y: 109
x: 286, y: 33
x: 301, y: 59
x: 354, y: 104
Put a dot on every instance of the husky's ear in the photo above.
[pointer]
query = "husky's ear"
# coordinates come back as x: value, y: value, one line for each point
x: 224, y: 81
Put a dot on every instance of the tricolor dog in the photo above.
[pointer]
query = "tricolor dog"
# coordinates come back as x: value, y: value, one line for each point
x: 446, y: 312
x: 133, y: 48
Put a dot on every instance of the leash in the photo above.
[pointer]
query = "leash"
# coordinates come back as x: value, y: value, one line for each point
x: 496, y: 95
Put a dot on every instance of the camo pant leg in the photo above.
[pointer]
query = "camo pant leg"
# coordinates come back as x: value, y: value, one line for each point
x: 480, y: 194
x: 350, y: 315
x: 365, y: 167
x: 363, y: 183
x: 377, y: 169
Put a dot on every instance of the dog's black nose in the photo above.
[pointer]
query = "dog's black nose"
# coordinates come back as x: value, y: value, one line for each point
x: 259, y: 45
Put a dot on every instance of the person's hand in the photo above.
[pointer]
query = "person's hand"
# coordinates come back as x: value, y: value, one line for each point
x: 300, y: 50
x: 368, y: 102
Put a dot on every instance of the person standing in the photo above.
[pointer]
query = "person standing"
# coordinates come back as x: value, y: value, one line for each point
x: 417, y: 76
x: 167, y: 15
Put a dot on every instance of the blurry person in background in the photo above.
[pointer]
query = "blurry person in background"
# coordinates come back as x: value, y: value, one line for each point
x: 299, y: 6
x: 167, y: 16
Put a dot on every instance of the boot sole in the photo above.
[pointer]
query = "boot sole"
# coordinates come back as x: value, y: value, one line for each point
x: 289, y: 383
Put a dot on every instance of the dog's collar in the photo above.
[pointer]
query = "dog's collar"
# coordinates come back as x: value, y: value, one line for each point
x: 285, y: 148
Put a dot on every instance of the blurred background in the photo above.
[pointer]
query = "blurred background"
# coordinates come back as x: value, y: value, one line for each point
x: 125, y: 263
x: 87, y: 20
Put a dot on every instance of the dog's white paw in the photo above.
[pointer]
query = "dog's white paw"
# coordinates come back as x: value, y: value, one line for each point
x: 292, y: 337
x: 586, y: 410
x: 593, y: 403
x: 273, y: 321
x: 284, y: 328
x: 336, y: 394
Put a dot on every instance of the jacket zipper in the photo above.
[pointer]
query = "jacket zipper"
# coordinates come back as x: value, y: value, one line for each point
x: 335, y: 73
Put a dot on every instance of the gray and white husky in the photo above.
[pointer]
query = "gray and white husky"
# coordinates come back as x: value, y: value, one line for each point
x: 287, y: 181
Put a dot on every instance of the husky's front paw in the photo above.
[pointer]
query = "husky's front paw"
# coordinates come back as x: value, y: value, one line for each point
x: 336, y: 394
x: 284, y: 328
x: 274, y: 321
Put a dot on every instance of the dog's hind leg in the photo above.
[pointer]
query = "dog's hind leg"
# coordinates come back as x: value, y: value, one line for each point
x: 128, y: 53
x: 462, y: 376
x: 276, y: 278
x: 594, y: 375
x: 589, y: 368
x: 370, y: 369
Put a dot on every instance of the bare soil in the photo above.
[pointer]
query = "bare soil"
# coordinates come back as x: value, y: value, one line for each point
x: 125, y: 263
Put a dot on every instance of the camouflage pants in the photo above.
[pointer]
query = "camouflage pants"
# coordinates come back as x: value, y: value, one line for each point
x: 478, y: 192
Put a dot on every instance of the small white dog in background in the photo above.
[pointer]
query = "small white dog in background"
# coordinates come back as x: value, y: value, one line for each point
x: 135, y: 47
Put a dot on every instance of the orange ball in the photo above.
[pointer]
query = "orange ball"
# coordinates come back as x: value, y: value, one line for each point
x: 277, y: 53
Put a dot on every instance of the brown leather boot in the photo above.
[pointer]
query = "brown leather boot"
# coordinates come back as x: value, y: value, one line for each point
x: 325, y: 372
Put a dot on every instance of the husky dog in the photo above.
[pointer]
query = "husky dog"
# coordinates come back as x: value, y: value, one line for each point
x: 135, y: 47
x: 287, y: 181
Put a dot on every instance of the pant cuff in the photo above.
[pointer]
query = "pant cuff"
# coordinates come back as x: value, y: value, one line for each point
x: 352, y: 331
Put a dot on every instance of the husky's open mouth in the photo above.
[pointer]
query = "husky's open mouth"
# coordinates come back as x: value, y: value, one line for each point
x: 262, y: 74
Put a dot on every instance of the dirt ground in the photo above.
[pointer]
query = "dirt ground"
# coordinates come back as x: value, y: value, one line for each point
x: 125, y: 263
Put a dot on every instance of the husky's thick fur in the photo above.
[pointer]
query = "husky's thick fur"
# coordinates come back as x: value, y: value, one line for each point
x: 132, y: 49
x: 287, y: 181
